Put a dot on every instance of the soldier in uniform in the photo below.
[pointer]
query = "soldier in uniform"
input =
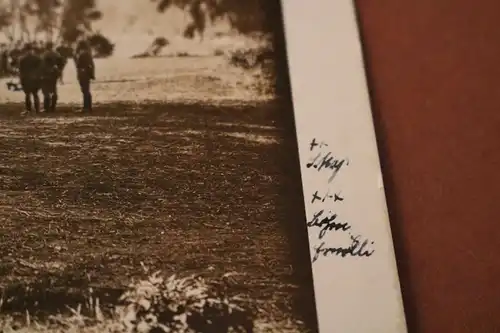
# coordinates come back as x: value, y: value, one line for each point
x: 52, y: 63
x: 4, y: 60
x: 29, y: 75
x: 85, y: 72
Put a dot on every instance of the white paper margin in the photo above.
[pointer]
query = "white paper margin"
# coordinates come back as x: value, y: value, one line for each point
x: 331, y: 103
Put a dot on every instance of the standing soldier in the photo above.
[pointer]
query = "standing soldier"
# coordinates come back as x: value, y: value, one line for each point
x: 29, y: 75
x: 51, y: 68
x: 85, y: 72
x: 4, y: 60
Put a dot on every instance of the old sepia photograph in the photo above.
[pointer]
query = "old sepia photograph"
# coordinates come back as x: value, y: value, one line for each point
x: 149, y: 170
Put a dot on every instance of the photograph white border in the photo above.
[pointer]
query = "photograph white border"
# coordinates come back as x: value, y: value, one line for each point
x: 331, y: 104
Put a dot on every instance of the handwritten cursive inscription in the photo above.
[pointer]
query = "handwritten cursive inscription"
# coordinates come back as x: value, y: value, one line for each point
x: 356, y: 249
x: 327, y: 223
x: 325, y: 218
x: 325, y: 160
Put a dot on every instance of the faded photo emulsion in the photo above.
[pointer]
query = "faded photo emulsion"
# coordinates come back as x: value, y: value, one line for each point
x: 149, y: 170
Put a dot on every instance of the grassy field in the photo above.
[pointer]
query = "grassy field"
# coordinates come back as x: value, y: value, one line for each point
x: 190, y: 79
x: 183, y: 187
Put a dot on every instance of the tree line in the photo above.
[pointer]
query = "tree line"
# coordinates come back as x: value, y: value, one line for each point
x: 245, y: 16
x: 65, y: 21
x: 56, y: 20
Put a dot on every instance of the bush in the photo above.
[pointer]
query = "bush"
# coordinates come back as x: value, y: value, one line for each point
x: 152, y: 305
x: 218, y: 52
x: 154, y: 49
x: 259, y: 60
x: 101, y: 45
x: 182, y: 305
x: 252, y: 57
x: 182, y: 54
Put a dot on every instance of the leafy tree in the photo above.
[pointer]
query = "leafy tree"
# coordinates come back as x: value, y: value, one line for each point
x: 6, y: 19
x: 245, y: 16
x: 77, y: 18
x: 101, y: 45
x: 58, y: 20
x: 63, y: 20
x: 45, y: 13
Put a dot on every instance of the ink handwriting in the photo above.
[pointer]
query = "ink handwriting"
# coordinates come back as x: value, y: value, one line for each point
x: 314, y: 144
x: 326, y: 200
x: 325, y: 160
x: 318, y: 197
x: 327, y: 223
x: 358, y: 248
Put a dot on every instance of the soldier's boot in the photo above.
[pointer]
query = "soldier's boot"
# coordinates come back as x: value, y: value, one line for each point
x: 37, y: 103
x: 53, y: 103
x: 87, y: 102
x: 27, y: 103
x: 46, y: 103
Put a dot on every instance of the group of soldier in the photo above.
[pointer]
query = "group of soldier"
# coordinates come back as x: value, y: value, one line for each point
x: 40, y: 66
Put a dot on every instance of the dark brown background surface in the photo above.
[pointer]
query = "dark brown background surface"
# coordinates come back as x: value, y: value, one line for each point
x: 434, y: 76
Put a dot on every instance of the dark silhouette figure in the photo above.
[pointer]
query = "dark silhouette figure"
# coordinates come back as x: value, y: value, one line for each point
x: 52, y: 65
x: 85, y: 72
x: 29, y: 76
x: 4, y: 60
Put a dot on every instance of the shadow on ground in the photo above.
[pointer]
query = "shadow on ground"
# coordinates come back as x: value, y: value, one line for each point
x: 87, y: 198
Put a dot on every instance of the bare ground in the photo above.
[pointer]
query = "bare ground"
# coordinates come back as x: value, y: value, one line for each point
x: 186, y: 188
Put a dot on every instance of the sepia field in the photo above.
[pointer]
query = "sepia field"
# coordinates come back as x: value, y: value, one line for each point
x: 195, y: 179
x: 186, y: 79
